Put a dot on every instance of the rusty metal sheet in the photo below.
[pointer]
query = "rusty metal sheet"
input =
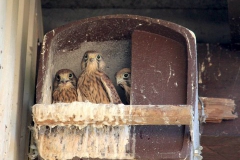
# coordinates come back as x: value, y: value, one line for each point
x: 219, y: 77
x: 159, y: 76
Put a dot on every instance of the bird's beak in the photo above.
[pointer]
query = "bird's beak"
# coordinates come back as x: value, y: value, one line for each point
x: 91, y: 59
x: 64, y: 81
x: 119, y: 82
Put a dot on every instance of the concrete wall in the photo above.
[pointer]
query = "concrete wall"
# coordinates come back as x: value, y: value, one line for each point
x: 9, y: 118
x: 208, y: 19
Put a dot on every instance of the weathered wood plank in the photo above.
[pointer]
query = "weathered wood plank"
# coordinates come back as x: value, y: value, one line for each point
x: 218, y: 109
x: 79, y: 113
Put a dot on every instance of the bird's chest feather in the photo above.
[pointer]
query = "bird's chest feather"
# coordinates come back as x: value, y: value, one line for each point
x: 92, y: 88
x: 65, y: 95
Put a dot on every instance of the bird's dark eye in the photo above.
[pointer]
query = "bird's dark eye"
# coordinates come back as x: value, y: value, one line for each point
x: 58, y: 78
x: 125, y: 75
x: 85, y: 57
x: 98, y: 57
x: 70, y: 75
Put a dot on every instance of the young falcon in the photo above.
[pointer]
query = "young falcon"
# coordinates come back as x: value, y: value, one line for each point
x: 123, y: 78
x: 93, y: 84
x: 64, y: 86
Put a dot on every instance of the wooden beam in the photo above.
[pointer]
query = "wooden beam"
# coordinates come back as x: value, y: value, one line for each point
x: 79, y: 113
x: 34, y: 33
x: 218, y: 109
x: 25, y: 31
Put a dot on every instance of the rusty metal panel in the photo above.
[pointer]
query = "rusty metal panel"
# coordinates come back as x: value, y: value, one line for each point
x: 159, y: 70
x: 219, y: 77
x: 159, y: 76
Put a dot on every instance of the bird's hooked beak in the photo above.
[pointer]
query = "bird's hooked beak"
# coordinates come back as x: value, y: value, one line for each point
x: 91, y: 59
x: 119, y: 82
x: 64, y: 81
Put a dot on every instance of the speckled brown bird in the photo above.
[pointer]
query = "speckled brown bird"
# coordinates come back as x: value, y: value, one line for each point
x: 93, y: 84
x: 123, y: 78
x: 64, y: 86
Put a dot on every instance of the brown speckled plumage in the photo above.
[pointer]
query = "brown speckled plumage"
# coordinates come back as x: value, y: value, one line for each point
x: 64, y: 87
x: 123, y: 78
x: 93, y: 84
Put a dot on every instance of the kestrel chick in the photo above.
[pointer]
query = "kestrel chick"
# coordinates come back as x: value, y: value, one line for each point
x: 64, y: 86
x: 123, y: 78
x: 93, y: 84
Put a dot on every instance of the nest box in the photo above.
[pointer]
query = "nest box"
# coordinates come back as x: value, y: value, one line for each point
x: 162, y: 120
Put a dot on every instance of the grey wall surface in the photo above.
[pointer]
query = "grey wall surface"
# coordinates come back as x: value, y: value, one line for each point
x: 208, y: 20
